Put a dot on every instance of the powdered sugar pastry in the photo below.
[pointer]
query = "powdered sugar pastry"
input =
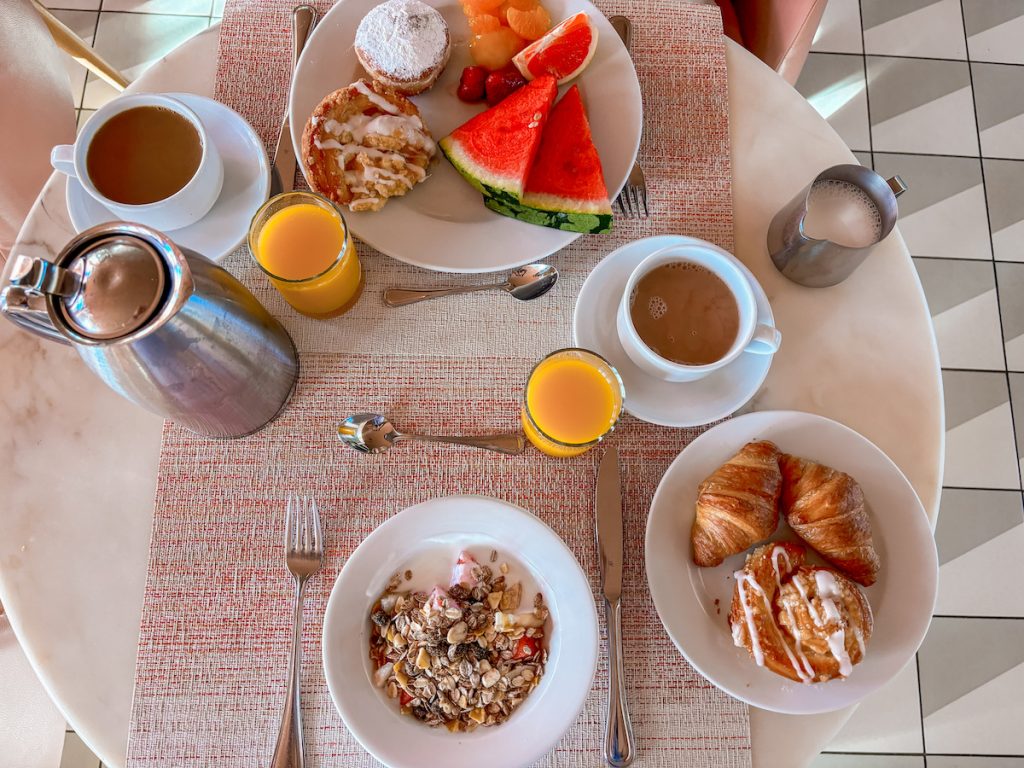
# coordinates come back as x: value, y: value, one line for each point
x: 404, y: 38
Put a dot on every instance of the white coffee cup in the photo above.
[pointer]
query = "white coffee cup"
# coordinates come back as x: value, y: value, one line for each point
x: 186, y: 206
x: 753, y: 336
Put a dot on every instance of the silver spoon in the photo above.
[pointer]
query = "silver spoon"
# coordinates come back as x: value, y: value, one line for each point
x: 373, y: 433
x: 524, y: 283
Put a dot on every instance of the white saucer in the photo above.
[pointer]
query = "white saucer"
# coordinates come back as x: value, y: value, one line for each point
x: 246, y: 185
x: 671, y: 404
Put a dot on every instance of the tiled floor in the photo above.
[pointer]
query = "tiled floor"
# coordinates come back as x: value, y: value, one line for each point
x: 932, y: 90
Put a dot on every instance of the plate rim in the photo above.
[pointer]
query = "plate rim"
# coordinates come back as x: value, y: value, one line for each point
x: 383, y: 530
x: 74, y: 186
x: 668, y: 240
x: 919, y: 513
x: 296, y: 127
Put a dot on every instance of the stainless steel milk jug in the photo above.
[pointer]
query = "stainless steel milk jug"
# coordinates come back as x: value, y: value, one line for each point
x: 161, y: 325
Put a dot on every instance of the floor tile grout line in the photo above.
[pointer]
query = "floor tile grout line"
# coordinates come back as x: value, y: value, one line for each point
x: 136, y: 13
x: 944, y: 154
x: 864, y: 67
x: 977, y: 487
x: 979, y: 617
x: 917, y: 58
x: 995, y: 269
x: 920, y: 754
x: 920, y: 708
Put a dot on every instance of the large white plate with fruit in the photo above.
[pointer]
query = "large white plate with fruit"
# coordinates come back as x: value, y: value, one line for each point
x: 444, y: 223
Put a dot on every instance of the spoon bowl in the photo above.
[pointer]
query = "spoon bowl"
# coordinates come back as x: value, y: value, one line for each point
x: 531, y: 281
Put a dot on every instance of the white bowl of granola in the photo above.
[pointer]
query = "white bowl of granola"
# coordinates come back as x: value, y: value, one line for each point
x: 446, y: 642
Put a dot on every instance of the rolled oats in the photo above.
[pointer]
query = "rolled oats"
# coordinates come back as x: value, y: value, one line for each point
x: 462, y: 658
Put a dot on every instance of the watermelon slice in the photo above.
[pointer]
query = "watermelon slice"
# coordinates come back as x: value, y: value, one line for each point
x: 565, y: 188
x: 495, y: 150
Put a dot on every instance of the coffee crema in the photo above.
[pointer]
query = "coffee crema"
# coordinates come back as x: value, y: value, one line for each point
x: 143, y: 155
x: 685, y: 313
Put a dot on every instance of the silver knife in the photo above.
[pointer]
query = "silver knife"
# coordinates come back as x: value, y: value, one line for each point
x: 619, y: 746
x: 283, y: 176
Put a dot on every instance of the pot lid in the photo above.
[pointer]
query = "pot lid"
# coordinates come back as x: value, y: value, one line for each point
x: 121, y: 285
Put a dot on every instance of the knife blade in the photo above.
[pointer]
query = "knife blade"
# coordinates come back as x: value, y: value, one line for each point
x: 283, y: 176
x: 609, y: 524
x: 619, y: 745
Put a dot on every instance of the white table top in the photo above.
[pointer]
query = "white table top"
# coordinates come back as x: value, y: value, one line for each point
x: 78, y: 463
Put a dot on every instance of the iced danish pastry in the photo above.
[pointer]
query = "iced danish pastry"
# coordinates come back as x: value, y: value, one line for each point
x: 403, y: 44
x: 365, y: 144
x: 806, y: 623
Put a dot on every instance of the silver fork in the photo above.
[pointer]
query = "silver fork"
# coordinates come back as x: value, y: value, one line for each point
x: 304, y: 553
x: 635, y: 192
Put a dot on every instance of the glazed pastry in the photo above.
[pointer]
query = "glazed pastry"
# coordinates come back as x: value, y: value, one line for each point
x: 737, y: 505
x: 403, y: 44
x: 825, y: 508
x: 804, y: 623
x: 364, y: 144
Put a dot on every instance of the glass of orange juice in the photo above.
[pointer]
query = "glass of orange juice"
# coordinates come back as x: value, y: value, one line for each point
x: 573, y: 400
x: 301, y: 242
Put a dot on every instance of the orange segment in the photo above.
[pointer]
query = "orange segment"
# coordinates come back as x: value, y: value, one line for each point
x: 530, y: 24
x: 484, y: 23
x: 494, y: 50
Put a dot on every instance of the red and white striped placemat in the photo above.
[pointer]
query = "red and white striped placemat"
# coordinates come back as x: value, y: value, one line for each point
x: 214, y: 640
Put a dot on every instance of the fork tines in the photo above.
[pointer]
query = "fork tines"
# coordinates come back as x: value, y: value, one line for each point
x: 303, y: 532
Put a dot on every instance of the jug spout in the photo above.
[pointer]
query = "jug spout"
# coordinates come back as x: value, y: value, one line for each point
x: 23, y: 296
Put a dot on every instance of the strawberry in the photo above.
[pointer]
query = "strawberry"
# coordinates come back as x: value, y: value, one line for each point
x: 472, y: 84
x: 502, y: 83
x: 526, y: 647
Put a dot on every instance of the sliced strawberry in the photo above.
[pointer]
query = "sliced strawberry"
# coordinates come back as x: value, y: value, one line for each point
x: 403, y: 698
x: 527, y: 647
x: 503, y: 83
x: 472, y: 84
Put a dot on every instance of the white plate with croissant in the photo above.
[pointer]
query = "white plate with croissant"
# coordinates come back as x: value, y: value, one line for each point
x: 817, y: 569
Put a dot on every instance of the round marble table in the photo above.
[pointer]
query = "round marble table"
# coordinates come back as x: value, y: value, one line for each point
x: 78, y: 464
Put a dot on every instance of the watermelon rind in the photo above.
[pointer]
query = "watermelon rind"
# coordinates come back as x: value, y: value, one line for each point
x: 486, y: 181
x: 588, y: 223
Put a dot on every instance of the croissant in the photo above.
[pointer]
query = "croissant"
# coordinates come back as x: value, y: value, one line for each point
x: 804, y: 623
x: 825, y: 508
x: 737, y: 505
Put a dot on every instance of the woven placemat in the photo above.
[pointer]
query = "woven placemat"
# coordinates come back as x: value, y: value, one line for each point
x: 214, y: 639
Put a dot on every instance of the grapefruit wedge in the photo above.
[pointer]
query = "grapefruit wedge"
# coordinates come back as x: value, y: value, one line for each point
x: 565, y: 189
x: 563, y: 52
x: 495, y: 150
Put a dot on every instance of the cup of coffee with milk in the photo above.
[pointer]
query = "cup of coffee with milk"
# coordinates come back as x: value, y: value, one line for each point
x: 689, y: 310
x: 147, y: 158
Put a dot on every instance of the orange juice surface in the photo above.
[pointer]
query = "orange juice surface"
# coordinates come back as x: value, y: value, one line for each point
x: 302, y: 243
x: 571, y: 401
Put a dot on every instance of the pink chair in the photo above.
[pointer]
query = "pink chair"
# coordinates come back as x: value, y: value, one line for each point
x: 39, y: 113
x: 779, y: 32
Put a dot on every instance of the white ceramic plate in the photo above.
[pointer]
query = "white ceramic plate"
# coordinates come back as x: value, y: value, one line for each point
x: 447, y: 525
x: 901, y: 600
x: 246, y: 185
x: 672, y: 404
x: 442, y: 224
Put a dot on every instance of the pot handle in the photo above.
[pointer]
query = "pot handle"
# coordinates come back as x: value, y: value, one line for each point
x: 23, y: 297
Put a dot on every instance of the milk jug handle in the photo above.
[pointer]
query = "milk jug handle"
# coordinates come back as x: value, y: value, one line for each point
x: 897, y: 185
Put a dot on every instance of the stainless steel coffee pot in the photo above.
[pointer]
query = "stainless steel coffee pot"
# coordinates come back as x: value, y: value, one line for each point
x: 161, y: 325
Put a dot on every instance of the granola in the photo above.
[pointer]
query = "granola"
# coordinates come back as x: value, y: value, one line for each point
x: 461, y: 657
